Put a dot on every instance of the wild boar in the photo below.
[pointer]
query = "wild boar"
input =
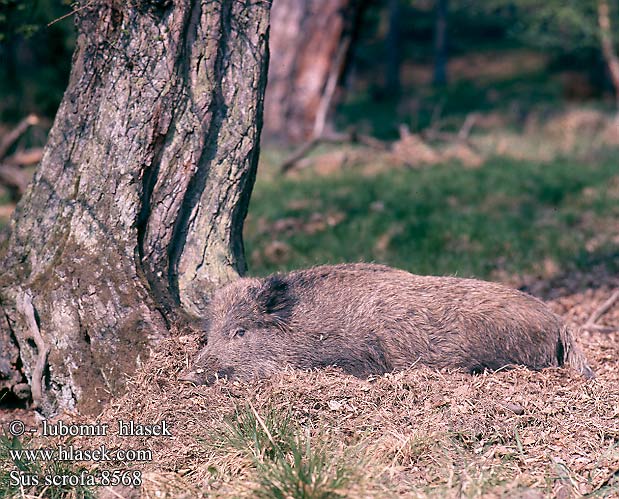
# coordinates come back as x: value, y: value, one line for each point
x: 371, y: 319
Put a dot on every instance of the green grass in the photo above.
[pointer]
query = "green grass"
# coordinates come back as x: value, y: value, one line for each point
x: 507, y: 216
x: 266, y: 438
x: 287, y: 461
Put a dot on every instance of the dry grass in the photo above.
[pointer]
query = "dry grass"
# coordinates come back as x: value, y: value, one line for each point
x: 577, y: 133
x: 419, y: 433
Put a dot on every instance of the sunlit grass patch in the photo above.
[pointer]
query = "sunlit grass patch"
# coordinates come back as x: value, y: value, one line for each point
x: 288, y: 461
x: 515, y: 217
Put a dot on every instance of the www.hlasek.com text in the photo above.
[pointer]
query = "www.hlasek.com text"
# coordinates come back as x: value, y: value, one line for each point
x: 71, y: 453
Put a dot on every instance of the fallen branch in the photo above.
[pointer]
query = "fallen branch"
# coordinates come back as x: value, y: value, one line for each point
x: 467, y: 126
x: 15, y: 179
x: 353, y: 137
x: 299, y: 153
x: 330, y: 138
x: 432, y: 133
x: 404, y: 131
x: 11, y: 175
x: 26, y: 158
x: 436, y: 115
x: 591, y: 323
x: 13, y: 136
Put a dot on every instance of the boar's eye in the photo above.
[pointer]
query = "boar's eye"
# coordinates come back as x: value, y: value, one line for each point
x: 240, y: 332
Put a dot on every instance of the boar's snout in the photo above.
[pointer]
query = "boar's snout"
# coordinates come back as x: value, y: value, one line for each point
x: 202, y: 377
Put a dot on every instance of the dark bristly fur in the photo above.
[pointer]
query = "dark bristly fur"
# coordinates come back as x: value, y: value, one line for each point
x: 372, y: 319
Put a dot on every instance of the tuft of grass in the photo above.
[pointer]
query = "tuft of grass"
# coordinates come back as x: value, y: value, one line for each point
x: 262, y: 438
x: 303, y: 473
x: 287, y: 462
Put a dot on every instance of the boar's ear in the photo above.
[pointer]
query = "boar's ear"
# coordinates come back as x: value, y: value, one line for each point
x: 275, y: 297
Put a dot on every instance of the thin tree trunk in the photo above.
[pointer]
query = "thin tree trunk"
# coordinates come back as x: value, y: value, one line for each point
x: 307, y: 37
x: 138, y: 204
x: 608, y: 49
x: 392, y: 44
x: 440, y: 43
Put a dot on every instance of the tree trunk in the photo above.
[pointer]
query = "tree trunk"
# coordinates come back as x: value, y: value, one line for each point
x: 392, y: 45
x: 310, y: 42
x: 608, y: 49
x: 440, y: 43
x: 137, y: 207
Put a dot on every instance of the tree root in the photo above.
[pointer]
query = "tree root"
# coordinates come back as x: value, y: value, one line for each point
x: 25, y: 307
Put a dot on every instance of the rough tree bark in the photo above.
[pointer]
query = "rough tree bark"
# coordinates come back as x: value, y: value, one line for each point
x: 137, y: 207
x: 310, y: 42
